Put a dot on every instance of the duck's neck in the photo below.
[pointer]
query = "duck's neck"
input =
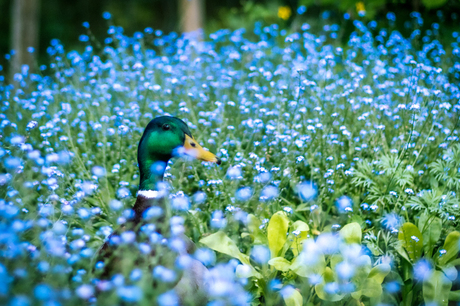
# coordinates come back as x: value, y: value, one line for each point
x: 151, y: 172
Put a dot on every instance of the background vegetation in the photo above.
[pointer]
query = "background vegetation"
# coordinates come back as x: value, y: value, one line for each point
x: 63, y: 20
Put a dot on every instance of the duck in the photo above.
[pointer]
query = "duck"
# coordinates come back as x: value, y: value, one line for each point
x: 164, y: 138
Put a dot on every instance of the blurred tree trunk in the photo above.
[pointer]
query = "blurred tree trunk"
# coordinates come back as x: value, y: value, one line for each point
x: 191, y: 15
x: 24, y: 33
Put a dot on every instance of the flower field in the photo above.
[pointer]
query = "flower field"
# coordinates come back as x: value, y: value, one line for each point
x: 339, y: 182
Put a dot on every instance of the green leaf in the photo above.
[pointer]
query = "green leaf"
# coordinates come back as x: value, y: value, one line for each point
x: 379, y: 272
x: 351, y: 233
x: 422, y: 220
x: 452, y: 247
x: 298, y: 240
x: 335, y: 260
x: 450, y: 272
x: 276, y: 232
x: 399, y: 248
x: 280, y: 263
x: 328, y: 277
x: 300, y: 226
x: 454, y: 296
x: 431, y: 230
x: 362, y: 270
x: 370, y: 288
x: 253, y: 223
x: 455, y: 262
x: 294, y: 298
x: 246, y: 271
x: 411, y: 239
x: 430, y: 4
x: 333, y: 297
x: 299, y: 267
x: 357, y: 294
x: 254, y: 230
x: 221, y: 243
x: 436, y: 288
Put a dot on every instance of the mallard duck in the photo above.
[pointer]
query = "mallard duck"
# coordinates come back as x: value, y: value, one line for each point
x: 163, y: 138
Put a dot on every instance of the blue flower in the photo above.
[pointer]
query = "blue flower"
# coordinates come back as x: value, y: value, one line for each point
x: 106, y: 15
x: 12, y: 163
x: 307, y: 191
x: 130, y: 293
x: 269, y: 192
x: 168, y: 299
x: 205, y: 256
x: 85, y: 291
x: 344, y: 204
x: 43, y: 292
x: 243, y: 194
x: 260, y: 254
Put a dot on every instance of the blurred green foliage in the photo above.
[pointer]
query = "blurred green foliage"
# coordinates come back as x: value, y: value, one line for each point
x: 63, y: 20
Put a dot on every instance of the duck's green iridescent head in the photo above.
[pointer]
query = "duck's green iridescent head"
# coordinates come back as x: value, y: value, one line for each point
x: 163, y: 138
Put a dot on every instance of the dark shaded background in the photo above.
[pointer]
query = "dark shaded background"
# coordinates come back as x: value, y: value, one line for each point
x: 63, y: 19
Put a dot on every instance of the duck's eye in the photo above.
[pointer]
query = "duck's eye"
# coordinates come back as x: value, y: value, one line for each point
x: 166, y: 127
x: 193, y: 144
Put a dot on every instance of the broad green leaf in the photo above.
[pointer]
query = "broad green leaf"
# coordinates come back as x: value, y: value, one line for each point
x: 254, y: 230
x: 351, y: 233
x: 325, y: 296
x: 432, y: 232
x: 246, y: 271
x: 422, y: 221
x: 451, y: 246
x: 436, y: 288
x: 362, y: 270
x: 280, y: 263
x: 221, y: 243
x: 412, y: 240
x: 450, y: 272
x: 253, y: 223
x: 276, y: 232
x: 379, y: 272
x: 305, y: 267
x: 298, y: 240
x: 328, y: 277
x: 455, y: 262
x: 300, y: 226
x: 399, y: 248
x: 407, y: 272
x: 357, y: 294
x: 335, y: 260
x: 454, y: 296
x: 294, y: 299
x: 370, y: 288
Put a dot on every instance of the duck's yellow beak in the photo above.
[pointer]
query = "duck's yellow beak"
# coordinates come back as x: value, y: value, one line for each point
x: 192, y: 148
